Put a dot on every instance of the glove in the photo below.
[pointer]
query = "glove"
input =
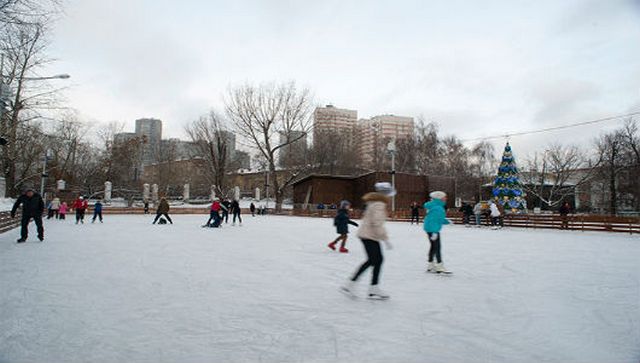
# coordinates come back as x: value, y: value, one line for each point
x: 434, y: 236
x: 388, y: 245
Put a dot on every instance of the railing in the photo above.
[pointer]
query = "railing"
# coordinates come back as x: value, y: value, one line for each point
x: 7, y: 223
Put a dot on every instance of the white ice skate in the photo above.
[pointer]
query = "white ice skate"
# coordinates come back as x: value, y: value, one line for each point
x: 376, y: 294
x: 440, y: 269
x: 348, y: 289
x: 431, y: 267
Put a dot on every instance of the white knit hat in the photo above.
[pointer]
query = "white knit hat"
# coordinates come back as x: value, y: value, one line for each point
x: 437, y: 195
x: 385, y: 188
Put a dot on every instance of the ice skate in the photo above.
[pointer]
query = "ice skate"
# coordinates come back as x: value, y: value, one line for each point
x: 431, y: 267
x: 41, y: 238
x: 344, y: 250
x: 376, y: 294
x: 348, y: 289
x: 332, y: 245
x: 21, y: 240
x: 440, y: 269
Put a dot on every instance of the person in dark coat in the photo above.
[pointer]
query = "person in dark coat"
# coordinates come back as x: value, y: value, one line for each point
x: 97, y: 211
x: 32, y: 207
x: 235, y: 209
x: 342, y: 222
x: 467, y: 212
x: 146, y: 206
x: 252, y: 208
x: 163, y: 210
x: 415, y: 213
x: 225, y: 211
x: 564, y: 211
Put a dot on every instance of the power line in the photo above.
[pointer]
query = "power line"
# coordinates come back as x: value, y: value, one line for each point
x: 577, y: 124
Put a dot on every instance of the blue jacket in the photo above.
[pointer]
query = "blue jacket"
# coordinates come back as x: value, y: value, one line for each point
x: 97, y: 207
x: 436, y: 216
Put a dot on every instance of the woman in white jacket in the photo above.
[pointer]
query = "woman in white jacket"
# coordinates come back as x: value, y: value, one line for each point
x: 495, y: 215
x: 372, y: 232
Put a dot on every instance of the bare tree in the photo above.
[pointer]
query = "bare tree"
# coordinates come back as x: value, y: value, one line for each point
x: 556, y: 174
x: 270, y: 117
x: 211, y: 138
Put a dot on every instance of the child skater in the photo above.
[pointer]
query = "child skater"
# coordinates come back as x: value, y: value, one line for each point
x: 342, y: 222
x: 436, y: 217
x: 372, y: 232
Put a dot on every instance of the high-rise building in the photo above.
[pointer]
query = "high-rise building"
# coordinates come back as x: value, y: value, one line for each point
x: 333, y: 119
x: 150, y: 130
x: 293, y: 153
x: 375, y: 133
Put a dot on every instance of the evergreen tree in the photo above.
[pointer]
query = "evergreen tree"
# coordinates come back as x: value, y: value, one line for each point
x: 507, y: 189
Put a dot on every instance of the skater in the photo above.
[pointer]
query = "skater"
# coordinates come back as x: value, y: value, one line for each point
x: 32, y: 207
x: 49, y: 210
x: 235, y: 209
x: 252, y: 208
x: 55, y: 207
x: 97, y: 211
x: 63, y: 210
x: 80, y: 206
x: 564, y: 215
x: 372, y: 232
x: 214, y: 214
x: 225, y: 210
x: 496, y: 221
x: 163, y: 210
x: 477, y: 211
x: 342, y: 222
x: 433, y: 222
x: 146, y: 206
x: 415, y: 213
x: 467, y: 212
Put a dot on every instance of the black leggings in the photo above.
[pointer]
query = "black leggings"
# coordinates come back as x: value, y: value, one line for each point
x: 237, y: 214
x: 163, y: 214
x: 24, y: 231
x: 435, y: 248
x: 374, y: 253
x: 415, y: 217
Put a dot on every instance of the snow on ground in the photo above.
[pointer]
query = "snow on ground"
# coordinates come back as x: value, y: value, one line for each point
x: 130, y: 291
x: 6, y: 204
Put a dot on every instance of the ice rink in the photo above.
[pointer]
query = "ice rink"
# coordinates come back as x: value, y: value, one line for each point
x: 129, y: 291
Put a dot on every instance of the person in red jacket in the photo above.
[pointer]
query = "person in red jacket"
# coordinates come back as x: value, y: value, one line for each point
x: 80, y: 205
x: 214, y: 213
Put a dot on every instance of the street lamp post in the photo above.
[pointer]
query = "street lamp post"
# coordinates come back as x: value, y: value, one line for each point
x: 391, y: 148
x: 44, y: 175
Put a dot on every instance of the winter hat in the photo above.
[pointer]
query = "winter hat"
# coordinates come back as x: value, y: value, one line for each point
x: 385, y: 188
x: 437, y: 195
x: 344, y: 204
x: 81, y: 197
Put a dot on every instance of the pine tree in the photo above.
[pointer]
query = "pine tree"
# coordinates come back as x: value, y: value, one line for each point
x: 507, y: 189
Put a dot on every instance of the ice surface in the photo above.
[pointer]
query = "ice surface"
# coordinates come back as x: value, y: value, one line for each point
x: 129, y: 291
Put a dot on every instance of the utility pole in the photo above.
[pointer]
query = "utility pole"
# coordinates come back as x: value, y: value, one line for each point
x: 391, y: 148
x: 44, y: 175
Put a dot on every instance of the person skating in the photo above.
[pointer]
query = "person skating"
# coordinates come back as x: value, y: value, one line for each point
x: 146, y: 206
x: 80, y: 206
x: 564, y: 211
x: 63, y: 210
x: 163, y: 210
x: 467, y: 212
x: 97, y: 211
x: 225, y: 210
x: 415, y: 213
x: 342, y: 222
x: 252, y: 208
x: 495, y: 215
x: 433, y: 222
x: 371, y: 232
x: 214, y: 214
x: 477, y: 211
x: 49, y: 210
x: 55, y: 207
x: 32, y: 208
x: 235, y: 209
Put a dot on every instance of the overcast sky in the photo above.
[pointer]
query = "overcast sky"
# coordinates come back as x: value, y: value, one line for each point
x: 478, y: 68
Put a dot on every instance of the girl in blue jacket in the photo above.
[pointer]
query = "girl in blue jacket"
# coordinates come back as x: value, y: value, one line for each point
x: 433, y: 222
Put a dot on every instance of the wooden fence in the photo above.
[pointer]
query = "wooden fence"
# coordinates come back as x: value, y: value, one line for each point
x: 541, y: 221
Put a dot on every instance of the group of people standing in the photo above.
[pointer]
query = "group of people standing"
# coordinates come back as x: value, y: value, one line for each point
x: 33, y: 208
x: 372, y: 233
x: 493, y: 213
x: 220, y: 211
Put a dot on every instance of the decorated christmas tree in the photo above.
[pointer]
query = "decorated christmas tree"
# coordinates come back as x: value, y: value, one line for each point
x: 507, y: 189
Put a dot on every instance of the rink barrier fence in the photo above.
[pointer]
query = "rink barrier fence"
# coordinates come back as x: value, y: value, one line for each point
x: 7, y: 223
x: 536, y: 221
